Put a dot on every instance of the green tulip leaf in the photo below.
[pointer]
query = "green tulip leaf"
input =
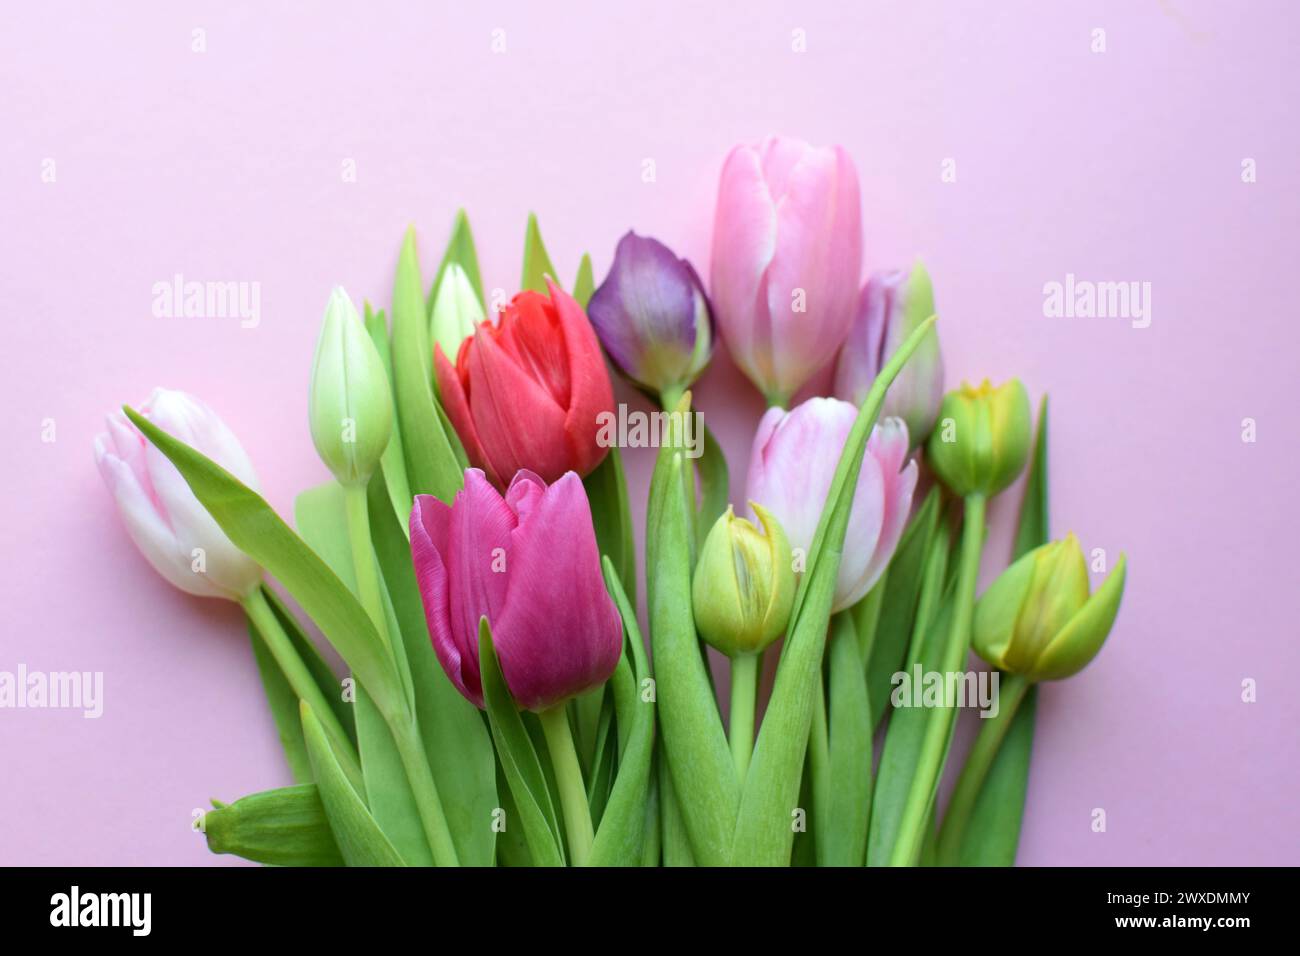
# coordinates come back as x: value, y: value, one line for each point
x: 715, y: 484
x: 537, y: 264
x: 899, y: 604
x: 611, y: 514
x: 431, y: 464
x: 585, y: 284
x: 519, y: 760
x: 360, y: 840
x: 850, y: 751
x: 620, y: 837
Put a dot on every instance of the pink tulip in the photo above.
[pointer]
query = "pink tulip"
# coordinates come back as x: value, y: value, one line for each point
x: 528, y: 562
x: 166, y: 522
x: 787, y: 253
x: 791, y: 469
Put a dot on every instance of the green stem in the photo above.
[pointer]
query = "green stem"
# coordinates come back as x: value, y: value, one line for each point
x: 740, y: 729
x: 993, y: 730
x: 916, y: 812
x: 568, y: 777
x: 406, y: 733
x: 819, y: 765
x: 295, y: 671
x: 363, y: 561
x: 427, y: 801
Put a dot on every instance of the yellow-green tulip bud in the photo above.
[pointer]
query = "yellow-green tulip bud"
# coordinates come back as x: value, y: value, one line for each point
x: 350, y: 407
x: 982, y: 438
x: 744, y: 584
x: 456, y: 310
x: 1038, y: 620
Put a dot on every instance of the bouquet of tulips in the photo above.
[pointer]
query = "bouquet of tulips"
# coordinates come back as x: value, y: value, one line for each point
x: 473, y: 563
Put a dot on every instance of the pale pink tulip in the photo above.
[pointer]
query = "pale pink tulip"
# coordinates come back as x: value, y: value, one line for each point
x: 791, y: 468
x: 166, y: 522
x: 787, y: 253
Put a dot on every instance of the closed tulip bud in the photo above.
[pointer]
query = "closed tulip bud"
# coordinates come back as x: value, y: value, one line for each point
x: 1038, y: 619
x: 652, y: 316
x: 527, y: 561
x: 787, y: 255
x: 891, y: 306
x: 744, y: 584
x: 981, y: 441
x: 529, y: 391
x: 169, y: 526
x: 350, y: 407
x: 792, y: 467
x: 456, y: 310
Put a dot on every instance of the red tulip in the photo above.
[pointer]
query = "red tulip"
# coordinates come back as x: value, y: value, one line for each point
x: 528, y: 562
x: 525, y: 393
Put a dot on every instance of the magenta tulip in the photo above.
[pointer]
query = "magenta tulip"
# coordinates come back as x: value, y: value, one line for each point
x: 791, y: 469
x: 528, y: 562
x: 787, y: 253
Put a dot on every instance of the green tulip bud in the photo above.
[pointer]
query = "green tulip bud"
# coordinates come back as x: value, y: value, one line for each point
x: 456, y: 310
x: 350, y: 407
x: 744, y: 584
x: 982, y: 438
x: 1038, y: 619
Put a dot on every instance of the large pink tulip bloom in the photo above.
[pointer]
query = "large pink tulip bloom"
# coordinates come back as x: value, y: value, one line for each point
x: 787, y: 253
x: 166, y: 522
x: 791, y: 468
x: 528, y: 562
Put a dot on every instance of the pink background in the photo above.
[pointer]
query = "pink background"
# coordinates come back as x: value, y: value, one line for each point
x: 1122, y: 165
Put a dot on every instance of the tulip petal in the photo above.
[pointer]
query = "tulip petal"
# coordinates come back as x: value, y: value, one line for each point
x: 478, y: 558
x: 146, y: 526
x: 517, y: 421
x: 590, y: 390
x: 560, y: 633
x: 889, y: 445
x: 744, y: 242
x: 430, y: 538
x: 819, y: 251
x: 456, y: 404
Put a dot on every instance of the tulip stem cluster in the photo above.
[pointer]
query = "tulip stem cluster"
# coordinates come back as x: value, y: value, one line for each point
x: 1011, y: 693
x: 568, y: 779
x: 286, y: 655
x: 744, y: 691
x: 920, y: 800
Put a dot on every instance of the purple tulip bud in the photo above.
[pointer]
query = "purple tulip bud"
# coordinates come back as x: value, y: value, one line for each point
x: 891, y: 306
x: 652, y: 315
